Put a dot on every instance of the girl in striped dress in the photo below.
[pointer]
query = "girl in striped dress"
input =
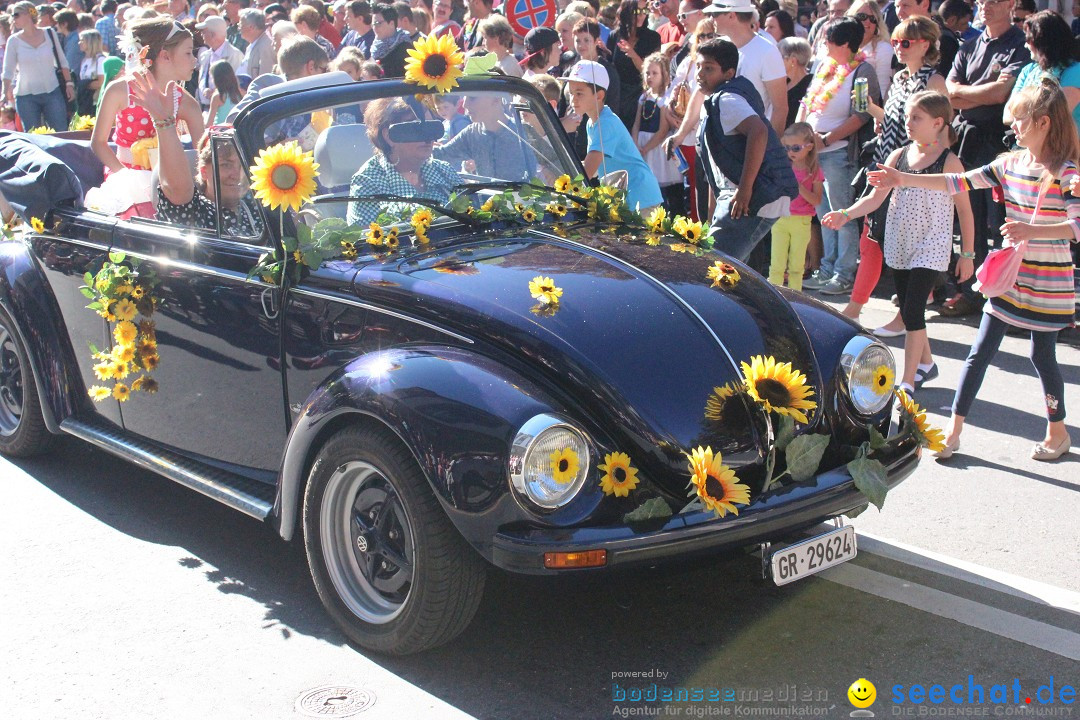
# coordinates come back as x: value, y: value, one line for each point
x: 1042, y: 300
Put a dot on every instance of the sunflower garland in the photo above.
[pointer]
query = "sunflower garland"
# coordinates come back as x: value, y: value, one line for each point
x: 433, y: 63
x: 120, y: 292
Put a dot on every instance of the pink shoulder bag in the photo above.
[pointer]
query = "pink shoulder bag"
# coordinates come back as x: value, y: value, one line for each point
x: 997, y: 275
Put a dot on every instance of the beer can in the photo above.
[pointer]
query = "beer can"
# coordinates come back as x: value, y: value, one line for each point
x: 861, y: 95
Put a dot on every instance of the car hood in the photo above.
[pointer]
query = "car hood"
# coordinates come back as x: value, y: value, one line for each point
x: 639, y: 341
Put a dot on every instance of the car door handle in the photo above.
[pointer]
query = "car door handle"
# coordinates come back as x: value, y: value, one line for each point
x: 269, y: 303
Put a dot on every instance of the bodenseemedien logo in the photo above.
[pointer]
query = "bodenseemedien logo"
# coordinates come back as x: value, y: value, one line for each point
x: 862, y: 695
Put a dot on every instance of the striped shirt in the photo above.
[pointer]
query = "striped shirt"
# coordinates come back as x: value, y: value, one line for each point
x: 1043, y: 296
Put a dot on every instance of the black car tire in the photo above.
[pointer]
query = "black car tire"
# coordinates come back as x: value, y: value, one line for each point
x: 365, y: 484
x: 22, y: 426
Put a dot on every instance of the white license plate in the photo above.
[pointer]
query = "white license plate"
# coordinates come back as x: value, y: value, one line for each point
x: 813, y: 555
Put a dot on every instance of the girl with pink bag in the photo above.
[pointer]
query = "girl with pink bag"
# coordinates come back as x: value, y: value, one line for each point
x: 1042, y: 213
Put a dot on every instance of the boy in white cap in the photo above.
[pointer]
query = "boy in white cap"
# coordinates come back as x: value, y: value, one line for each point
x: 610, y: 146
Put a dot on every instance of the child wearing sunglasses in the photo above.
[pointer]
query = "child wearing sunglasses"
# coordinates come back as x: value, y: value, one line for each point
x: 791, y: 234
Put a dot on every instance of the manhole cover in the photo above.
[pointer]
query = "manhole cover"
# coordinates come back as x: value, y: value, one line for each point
x: 334, y: 701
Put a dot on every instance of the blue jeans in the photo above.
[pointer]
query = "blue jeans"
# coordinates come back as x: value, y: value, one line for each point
x: 841, y: 246
x: 43, y: 109
x: 736, y: 238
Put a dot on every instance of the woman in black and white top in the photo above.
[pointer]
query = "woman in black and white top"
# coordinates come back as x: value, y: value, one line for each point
x: 194, y: 201
x: 34, y: 54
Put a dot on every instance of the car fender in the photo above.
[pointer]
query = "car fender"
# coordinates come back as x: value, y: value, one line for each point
x: 455, y: 410
x: 25, y: 293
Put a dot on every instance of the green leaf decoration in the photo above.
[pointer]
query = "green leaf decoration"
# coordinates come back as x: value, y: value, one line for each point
x: 653, y: 509
x: 804, y: 455
x: 116, y: 257
x: 869, y: 477
x: 95, y: 306
x: 877, y: 440
x: 289, y: 243
x: 88, y: 279
x: 481, y: 64
x: 785, y: 432
x: 303, y: 234
x: 852, y: 514
x: 87, y: 292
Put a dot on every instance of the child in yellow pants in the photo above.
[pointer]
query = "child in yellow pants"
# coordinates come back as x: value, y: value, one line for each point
x: 791, y: 235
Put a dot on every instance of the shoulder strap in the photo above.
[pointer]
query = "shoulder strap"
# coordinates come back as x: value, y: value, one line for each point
x: 53, y: 40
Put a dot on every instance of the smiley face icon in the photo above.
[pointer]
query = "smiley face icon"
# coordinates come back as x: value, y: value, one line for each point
x: 862, y: 693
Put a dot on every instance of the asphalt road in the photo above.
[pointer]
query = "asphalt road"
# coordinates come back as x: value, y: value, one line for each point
x: 123, y: 595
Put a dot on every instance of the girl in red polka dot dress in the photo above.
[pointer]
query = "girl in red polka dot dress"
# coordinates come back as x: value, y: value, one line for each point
x: 164, y: 48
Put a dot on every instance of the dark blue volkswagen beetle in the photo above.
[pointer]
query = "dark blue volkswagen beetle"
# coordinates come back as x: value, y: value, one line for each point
x: 398, y: 410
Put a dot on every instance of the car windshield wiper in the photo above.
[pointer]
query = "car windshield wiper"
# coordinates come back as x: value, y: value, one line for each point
x: 473, y: 188
x: 385, y: 197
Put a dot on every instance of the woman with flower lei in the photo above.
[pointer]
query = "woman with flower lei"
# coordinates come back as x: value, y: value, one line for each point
x: 163, y: 48
x: 827, y: 107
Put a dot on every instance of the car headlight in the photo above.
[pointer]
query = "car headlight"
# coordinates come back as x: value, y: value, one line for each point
x: 549, y: 461
x: 863, y: 362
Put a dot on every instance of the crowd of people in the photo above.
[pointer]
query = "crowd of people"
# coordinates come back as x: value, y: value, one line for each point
x: 822, y: 143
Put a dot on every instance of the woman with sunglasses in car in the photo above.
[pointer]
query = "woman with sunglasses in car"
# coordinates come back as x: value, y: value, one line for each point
x: 1050, y: 40
x: 629, y: 45
x: 915, y: 42
x: 875, y: 45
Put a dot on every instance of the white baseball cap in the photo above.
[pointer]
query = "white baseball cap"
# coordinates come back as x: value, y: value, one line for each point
x: 588, y: 71
x: 214, y: 22
x: 726, y: 6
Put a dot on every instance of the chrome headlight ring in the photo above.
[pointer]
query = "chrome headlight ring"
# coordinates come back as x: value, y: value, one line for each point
x: 860, y: 361
x: 541, y: 485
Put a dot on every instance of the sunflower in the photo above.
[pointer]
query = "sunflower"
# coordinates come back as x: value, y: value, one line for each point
x: 724, y: 491
x: 392, y: 239
x: 778, y: 387
x: 147, y: 330
x: 652, y: 239
x: 488, y: 205
x: 151, y: 361
x: 421, y: 237
x: 123, y: 290
x: 613, y: 214
x: 433, y: 63
x: 543, y: 289
x: 119, y: 370
x: 724, y: 275
x: 37, y: 225
x: 125, y: 332
x: 883, y: 379
x: 564, y: 465
x: 929, y: 436
x: 528, y: 215
x: 124, y: 309
x: 563, y: 184
x: 620, y: 477
x: 138, y: 292
x: 348, y: 250
x: 421, y: 218
x: 375, y: 235
x: 103, y: 370
x: 718, y: 400
x: 124, y: 353
x: 137, y: 383
x: 298, y: 257
x: 594, y: 210
x: 656, y: 219
x: 99, y: 393
x: 683, y: 247
x: 692, y: 232
x: 284, y: 176
x: 121, y: 392
x: 149, y: 385
x: 42, y: 130
x: 557, y: 209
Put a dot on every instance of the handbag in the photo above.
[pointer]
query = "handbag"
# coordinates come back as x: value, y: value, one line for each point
x: 997, y: 274
x: 53, y: 41
x: 680, y: 99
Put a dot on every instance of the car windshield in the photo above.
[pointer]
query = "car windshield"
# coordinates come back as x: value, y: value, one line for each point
x: 376, y: 154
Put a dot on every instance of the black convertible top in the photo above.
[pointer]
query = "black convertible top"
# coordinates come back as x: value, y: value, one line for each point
x: 41, y: 172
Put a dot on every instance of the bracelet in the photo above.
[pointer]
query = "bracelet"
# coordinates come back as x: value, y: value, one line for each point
x: 167, y: 122
x: 70, y: 82
x: 968, y: 255
x: 844, y: 212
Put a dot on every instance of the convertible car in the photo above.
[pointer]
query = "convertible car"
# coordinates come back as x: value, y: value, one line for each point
x: 554, y: 393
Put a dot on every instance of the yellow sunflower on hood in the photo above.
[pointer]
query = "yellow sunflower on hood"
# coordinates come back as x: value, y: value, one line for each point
x: 620, y: 477
x: 930, y: 437
x: 715, y: 483
x: 777, y: 386
x: 433, y: 63
x: 284, y: 176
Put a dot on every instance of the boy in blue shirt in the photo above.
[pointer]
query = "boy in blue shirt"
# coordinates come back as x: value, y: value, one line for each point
x: 610, y: 146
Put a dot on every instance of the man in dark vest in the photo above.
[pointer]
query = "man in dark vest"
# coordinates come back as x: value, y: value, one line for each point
x: 739, y: 147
